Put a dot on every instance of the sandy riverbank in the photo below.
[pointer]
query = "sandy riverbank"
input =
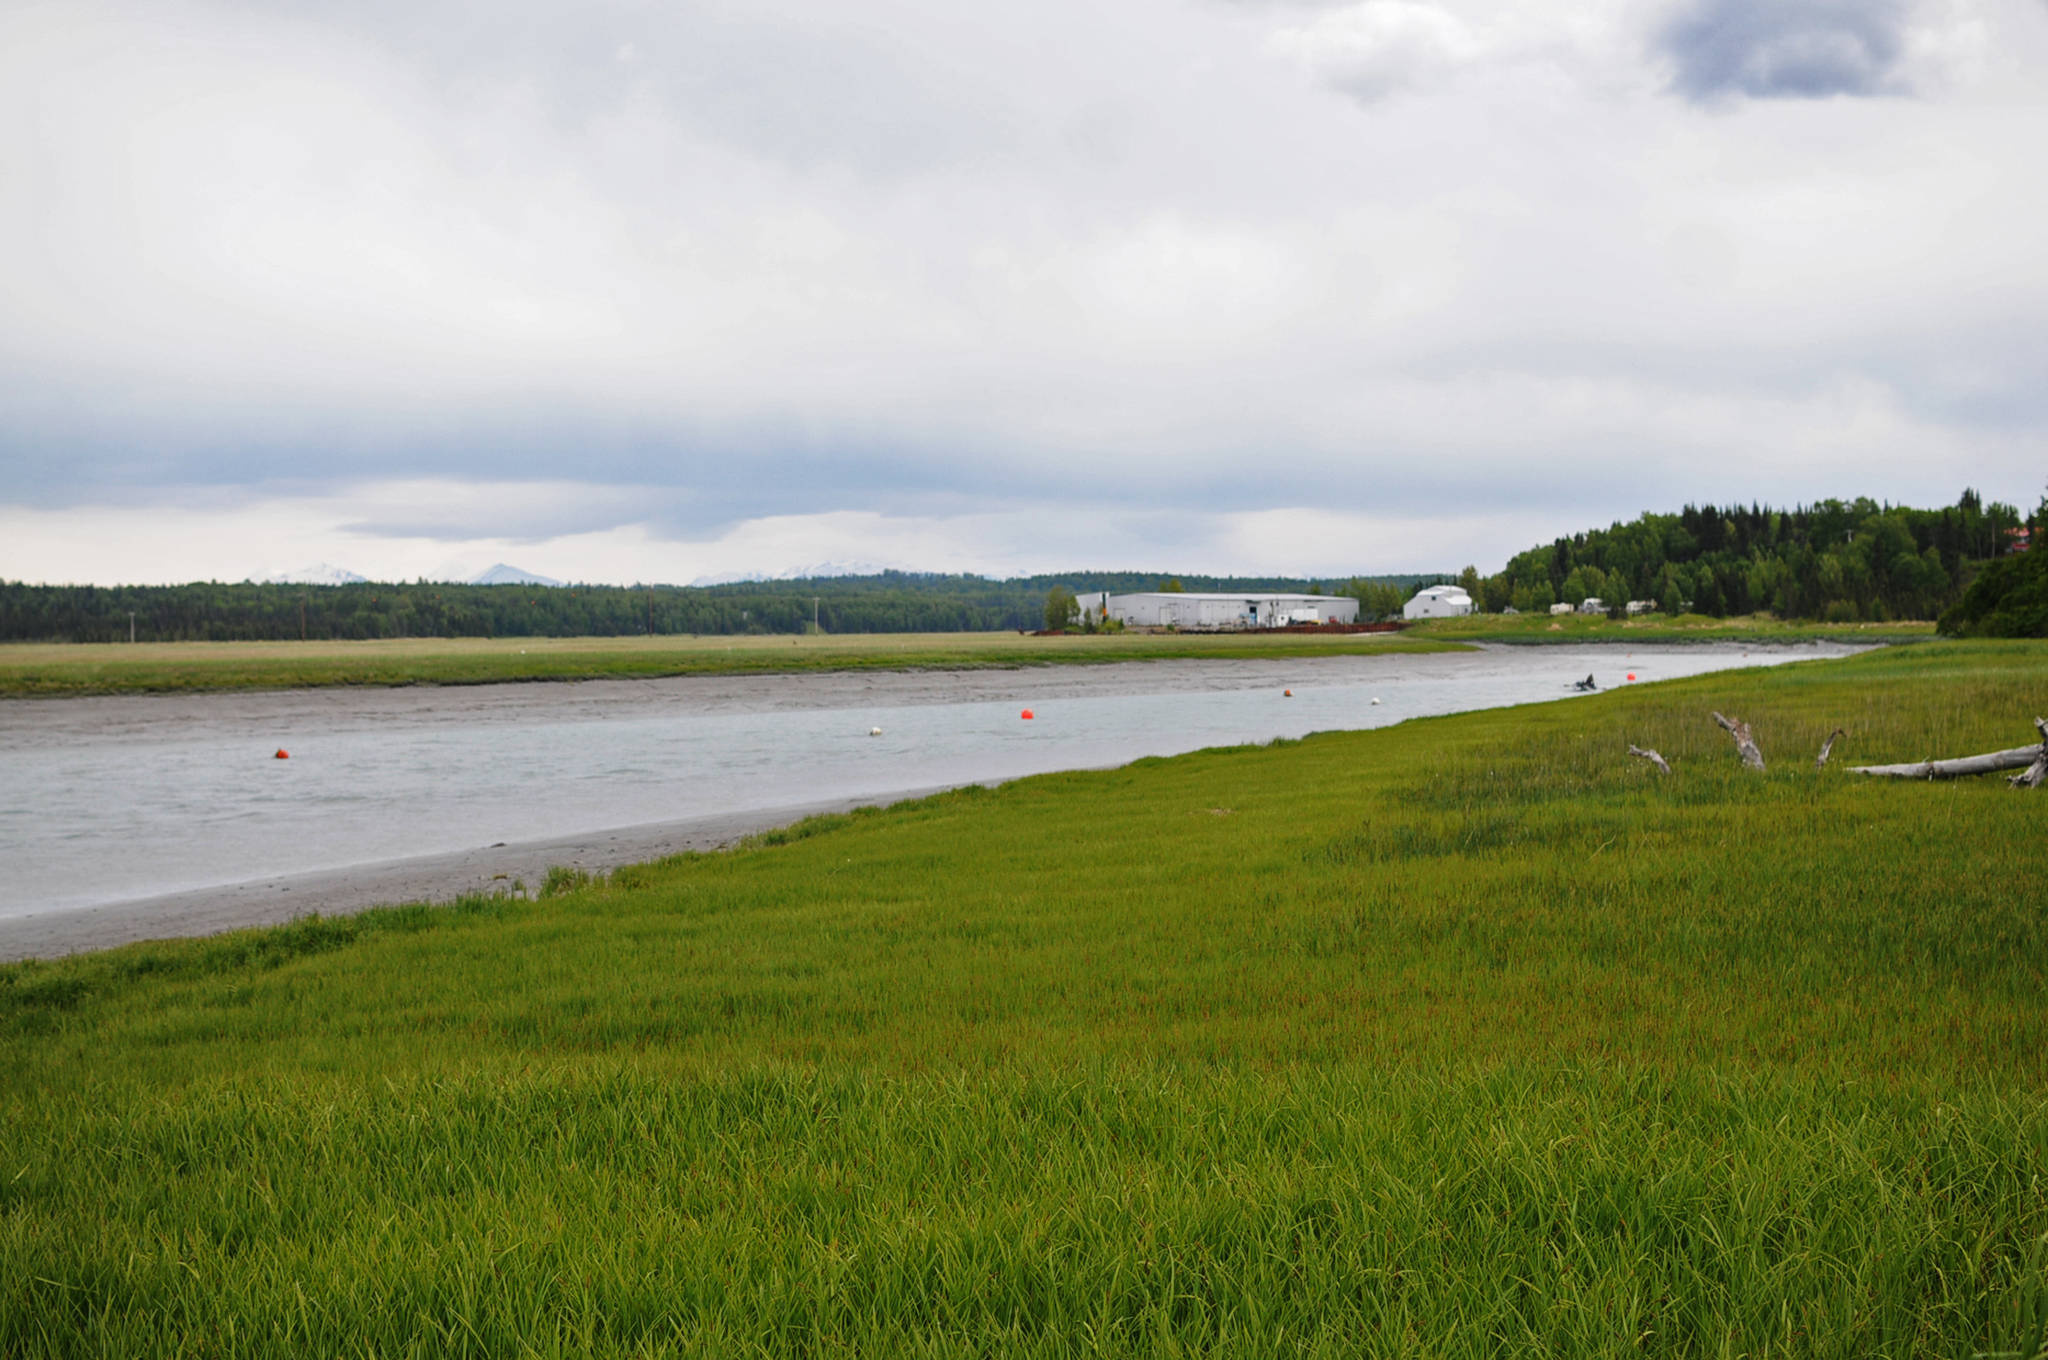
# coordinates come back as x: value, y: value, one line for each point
x: 123, y: 797
x: 426, y: 878
x: 30, y: 725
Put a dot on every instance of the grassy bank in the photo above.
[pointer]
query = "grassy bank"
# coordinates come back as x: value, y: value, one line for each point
x: 1467, y: 1036
x: 52, y: 669
x: 1545, y: 628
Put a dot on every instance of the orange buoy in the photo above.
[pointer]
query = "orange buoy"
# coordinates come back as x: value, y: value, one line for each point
x: 282, y: 754
x: 1631, y: 675
x: 1027, y: 715
x: 1287, y: 694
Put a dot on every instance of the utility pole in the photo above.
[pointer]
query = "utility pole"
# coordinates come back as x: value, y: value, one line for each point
x: 131, y: 625
x: 302, y: 618
x: 814, y: 615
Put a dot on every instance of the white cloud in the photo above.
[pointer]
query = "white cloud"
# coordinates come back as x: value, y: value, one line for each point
x: 1374, y: 50
x: 1381, y: 47
x: 255, y: 538
x: 415, y: 280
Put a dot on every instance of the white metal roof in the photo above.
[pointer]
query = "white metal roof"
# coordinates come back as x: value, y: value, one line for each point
x: 1215, y: 595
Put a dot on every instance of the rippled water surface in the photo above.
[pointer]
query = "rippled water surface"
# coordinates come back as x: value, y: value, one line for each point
x: 103, y: 800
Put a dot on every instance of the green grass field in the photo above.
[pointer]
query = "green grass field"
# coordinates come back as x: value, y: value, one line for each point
x: 1470, y: 1036
x: 54, y: 669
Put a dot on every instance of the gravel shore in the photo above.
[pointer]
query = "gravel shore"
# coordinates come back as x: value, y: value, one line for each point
x: 428, y: 878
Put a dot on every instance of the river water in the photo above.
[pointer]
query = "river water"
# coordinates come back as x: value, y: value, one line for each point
x: 111, y: 799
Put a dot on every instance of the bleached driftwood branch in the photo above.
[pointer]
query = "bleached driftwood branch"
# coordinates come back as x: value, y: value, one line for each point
x: 2026, y: 758
x: 1650, y: 756
x: 2031, y: 777
x: 1745, y: 742
x: 1827, y: 748
x: 1989, y: 763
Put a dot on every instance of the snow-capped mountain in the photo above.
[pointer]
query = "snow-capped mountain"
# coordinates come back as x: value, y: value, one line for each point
x: 319, y: 574
x: 504, y: 574
x: 794, y: 573
x: 833, y: 569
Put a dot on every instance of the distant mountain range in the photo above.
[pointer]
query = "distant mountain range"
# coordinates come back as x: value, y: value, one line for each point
x: 817, y: 570
x: 319, y: 574
x: 327, y: 574
x: 504, y: 574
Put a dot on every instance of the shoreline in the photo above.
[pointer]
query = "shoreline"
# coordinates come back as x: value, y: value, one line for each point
x: 437, y: 878
x: 39, y: 670
x: 441, y: 875
x: 1668, y: 640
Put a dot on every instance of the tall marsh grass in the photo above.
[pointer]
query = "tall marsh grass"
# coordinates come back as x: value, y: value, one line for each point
x: 1467, y: 1037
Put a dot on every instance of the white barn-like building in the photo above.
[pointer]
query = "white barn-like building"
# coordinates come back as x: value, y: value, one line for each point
x: 1246, y: 609
x: 1438, y: 602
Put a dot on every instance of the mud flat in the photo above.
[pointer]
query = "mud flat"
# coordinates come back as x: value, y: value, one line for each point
x: 423, y: 878
x: 27, y: 722
x: 140, y: 816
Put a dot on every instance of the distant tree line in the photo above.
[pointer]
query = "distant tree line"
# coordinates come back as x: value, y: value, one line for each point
x: 1836, y: 561
x: 1380, y: 598
x: 891, y: 602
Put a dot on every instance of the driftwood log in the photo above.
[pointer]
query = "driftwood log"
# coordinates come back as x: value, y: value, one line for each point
x: 1745, y: 741
x: 2031, y: 760
x: 1650, y: 756
x: 1989, y: 763
x: 1820, y: 762
x: 2031, y: 777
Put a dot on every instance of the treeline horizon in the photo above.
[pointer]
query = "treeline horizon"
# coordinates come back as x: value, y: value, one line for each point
x: 888, y: 602
x: 1833, y: 561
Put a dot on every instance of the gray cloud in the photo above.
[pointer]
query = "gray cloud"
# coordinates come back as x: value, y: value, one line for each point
x: 1787, y: 49
x: 716, y: 263
x: 816, y: 89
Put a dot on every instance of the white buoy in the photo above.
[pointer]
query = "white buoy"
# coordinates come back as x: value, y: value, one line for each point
x: 1375, y: 700
x: 874, y: 731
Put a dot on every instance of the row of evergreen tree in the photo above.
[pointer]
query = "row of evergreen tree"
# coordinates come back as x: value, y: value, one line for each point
x: 892, y: 602
x: 1836, y: 561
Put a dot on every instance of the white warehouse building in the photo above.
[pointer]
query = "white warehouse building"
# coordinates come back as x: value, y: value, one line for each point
x: 1438, y: 602
x: 1249, y: 609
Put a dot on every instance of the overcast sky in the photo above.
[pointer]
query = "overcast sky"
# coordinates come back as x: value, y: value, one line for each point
x: 655, y: 292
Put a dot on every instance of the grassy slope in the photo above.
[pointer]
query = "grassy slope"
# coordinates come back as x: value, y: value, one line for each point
x: 45, y: 669
x: 1657, y: 628
x: 1467, y: 1036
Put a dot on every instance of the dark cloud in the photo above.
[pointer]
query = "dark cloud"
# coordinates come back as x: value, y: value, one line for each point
x: 682, y: 482
x: 687, y: 481
x: 1787, y: 49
